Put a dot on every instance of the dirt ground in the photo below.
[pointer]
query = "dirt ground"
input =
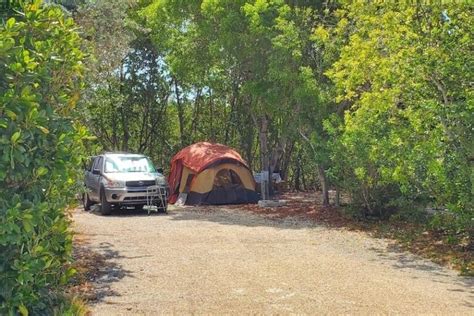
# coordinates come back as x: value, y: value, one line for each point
x: 219, y: 260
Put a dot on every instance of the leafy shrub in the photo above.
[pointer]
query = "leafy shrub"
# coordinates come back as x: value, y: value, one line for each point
x: 407, y: 134
x: 40, y: 146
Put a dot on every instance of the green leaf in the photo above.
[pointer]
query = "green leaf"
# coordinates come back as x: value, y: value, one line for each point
x: 41, y: 171
x: 43, y: 129
x: 10, y: 23
x: 15, y: 137
x: 11, y: 114
x: 63, y: 279
x: 27, y: 226
x: 48, y: 263
x: 71, y: 272
x: 23, y: 310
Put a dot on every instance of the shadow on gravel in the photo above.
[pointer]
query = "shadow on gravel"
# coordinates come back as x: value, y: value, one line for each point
x: 123, y: 212
x: 400, y: 259
x: 96, y: 271
x: 224, y: 216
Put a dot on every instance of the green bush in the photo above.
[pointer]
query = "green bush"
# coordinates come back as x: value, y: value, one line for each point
x: 406, y: 136
x: 40, y: 147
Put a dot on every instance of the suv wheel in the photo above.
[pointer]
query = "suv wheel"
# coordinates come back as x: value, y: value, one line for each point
x: 86, y: 202
x: 105, y: 207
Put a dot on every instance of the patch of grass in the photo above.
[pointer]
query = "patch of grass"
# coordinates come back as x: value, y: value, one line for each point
x: 71, y: 306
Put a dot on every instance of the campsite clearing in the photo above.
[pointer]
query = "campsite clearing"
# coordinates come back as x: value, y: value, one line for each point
x: 217, y: 260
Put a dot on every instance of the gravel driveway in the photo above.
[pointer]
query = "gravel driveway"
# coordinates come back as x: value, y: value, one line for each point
x: 228, y: 261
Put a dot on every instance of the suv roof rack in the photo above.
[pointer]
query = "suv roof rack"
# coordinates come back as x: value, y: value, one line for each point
x: 116, y: 152
x: 121, y: 153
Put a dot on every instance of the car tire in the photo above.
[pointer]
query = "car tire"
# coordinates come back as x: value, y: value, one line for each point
x: 105, y: 207
x: 86, y: 202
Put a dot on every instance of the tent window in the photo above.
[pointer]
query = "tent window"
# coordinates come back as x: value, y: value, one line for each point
x: 227, y: 177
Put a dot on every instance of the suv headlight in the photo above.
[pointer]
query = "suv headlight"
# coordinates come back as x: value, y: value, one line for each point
x: 160, y: 180
x: 114, y: 184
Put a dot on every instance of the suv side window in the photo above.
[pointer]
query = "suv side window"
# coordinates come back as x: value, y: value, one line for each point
x: 100, y: 163
x: 97, y: 163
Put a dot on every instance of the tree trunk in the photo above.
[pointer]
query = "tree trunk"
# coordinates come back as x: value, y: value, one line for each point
x: 247, y: 137
x: 286, y: 161
x: 338, y: 197
x: 196, y: 113
x: 115, y: 138
x: 124, y: 114
x: 275, y: 161
x: 180, y: 113
x: 264, y: 154
x: 324, y: 185
x: 211, y: 120
x: 298, y: 173
x: 303, y: 180
x: 126, y: 131
x: 321, y: 175
x: 230, y: 123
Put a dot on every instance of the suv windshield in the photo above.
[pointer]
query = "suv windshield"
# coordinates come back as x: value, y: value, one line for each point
x: 128, y: 164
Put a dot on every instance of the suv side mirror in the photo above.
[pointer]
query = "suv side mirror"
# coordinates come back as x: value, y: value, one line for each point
x: 160, y: 170
x: 96, y: 171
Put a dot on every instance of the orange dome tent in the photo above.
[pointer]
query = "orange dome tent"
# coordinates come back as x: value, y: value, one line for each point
x: 206, y: 173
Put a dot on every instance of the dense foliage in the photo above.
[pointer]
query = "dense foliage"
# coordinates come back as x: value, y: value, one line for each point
x: 40, y: 148
x: 407, y: 135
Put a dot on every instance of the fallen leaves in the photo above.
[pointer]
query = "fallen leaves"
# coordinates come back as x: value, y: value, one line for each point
x: 89, y: 269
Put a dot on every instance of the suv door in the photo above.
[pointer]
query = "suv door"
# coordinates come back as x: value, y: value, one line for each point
x: 95, y: 176
x: 88, y: 171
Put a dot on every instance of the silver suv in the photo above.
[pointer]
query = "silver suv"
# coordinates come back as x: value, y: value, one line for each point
x: 121, y: 179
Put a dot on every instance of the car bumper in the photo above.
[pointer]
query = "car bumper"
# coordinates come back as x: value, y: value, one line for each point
x: 133, y: 196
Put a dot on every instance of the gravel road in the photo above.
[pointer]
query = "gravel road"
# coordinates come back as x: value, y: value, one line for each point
x: 228, y: 261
